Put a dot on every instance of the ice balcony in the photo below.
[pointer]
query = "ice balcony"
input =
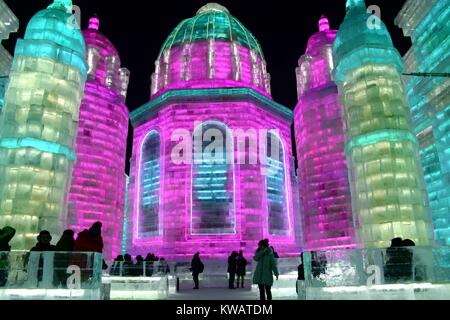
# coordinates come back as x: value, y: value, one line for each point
x: 404, y: 273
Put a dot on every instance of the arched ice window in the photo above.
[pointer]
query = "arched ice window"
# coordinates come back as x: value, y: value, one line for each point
x: 212, y: 195
x: 148, y: 217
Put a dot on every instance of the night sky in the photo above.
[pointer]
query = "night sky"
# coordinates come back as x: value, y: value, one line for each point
x: 138, y: 29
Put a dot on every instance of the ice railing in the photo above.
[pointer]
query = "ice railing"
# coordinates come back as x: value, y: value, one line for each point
x: 146, y: 269
x: 50, y: 270
x: 366, y: 267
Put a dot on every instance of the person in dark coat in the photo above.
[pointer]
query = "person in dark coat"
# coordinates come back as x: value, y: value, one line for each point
x: 44, y: 238
x: 394, y: 268
x: 232, y: 268
x: 197, y: 267
x: 88, y: 241
x: 115, y: 270
x: 43, y: 245
x: 241, y: 269
x: 128, y: 267
x: 64, y: 247
x: 138, y: 269
x: 265, y: 269
x: 149, y: 261
x: 163, y: 267
x: 6, y: 235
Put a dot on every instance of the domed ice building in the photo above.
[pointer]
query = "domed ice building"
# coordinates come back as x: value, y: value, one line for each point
x: 211, y: 80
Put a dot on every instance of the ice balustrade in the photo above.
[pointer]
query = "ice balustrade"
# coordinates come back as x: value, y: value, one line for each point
x: 50, y: 275
x: 391, y: 273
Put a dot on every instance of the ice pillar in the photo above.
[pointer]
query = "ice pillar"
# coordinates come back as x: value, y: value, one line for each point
x: 388, y: 193
x: 320, y: 139
x: 39, y: 123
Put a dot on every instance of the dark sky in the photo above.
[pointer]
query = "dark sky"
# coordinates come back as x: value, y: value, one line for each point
x: 138, y: 29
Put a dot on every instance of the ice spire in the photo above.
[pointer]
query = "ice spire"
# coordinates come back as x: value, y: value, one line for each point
x: 324, y: 25
x: 62, y: 4
x: 355, y: 4
x: 94, y: 23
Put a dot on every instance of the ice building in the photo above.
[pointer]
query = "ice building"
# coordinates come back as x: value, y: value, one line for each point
x: 428, y: 25
x: 98, y: 183
x: 387, y: 185
x: 211, y: 86
x: 39, y: 123
x: 326, y: 208
x: 8, y: 24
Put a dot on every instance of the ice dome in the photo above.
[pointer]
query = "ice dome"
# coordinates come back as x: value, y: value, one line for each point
x: 56, y: 24
x: 211, y: 49
x: 358, y: 41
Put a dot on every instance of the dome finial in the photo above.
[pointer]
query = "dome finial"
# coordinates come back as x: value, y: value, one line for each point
x: 212, y: 7
x: 355, y: 4
x: 324, y: 24
x: 62, y: 4
x: 94, y: 22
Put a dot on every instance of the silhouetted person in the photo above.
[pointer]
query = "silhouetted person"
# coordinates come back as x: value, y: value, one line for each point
x: 149, y: 260
x: 138, y: 269
x: 6, y: 235
x: 163, y: 266
x: 318, y: 264
x: 232, y: 268
x: 396, y: 257
x: 301, y: 269
x: 241, y: 269
x: 265, y: 269
x: 44, y: 238
x: 115, y: 270
x: 43, y: 245
x: 64, y: 247
x: 88, y: 241
x: 197, y: 267
x: 127, y: 267
x: 408, y: 259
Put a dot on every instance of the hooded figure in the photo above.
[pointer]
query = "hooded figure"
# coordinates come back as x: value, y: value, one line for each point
x: 6, y: 235
x: 64, y: 247
x: 90, y: 240
x: 265, y: 269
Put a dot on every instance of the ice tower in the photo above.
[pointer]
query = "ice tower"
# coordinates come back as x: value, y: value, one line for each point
x: 8, y: 24
x: 428, y: 25
x: 39, y: 124
x: 211, y: 81
x: 98, y: 184
x: 388, y: 192
x: 320, y: 139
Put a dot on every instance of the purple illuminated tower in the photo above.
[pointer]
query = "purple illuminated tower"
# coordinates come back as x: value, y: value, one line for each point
x: 97, y: 192
x: 324, y: 188
x: 211, y: 81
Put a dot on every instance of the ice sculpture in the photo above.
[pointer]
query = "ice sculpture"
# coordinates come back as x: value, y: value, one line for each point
x: 39, y: 124
x: 98, y: 184
x: 387, y: 185
x: 8, y: 24
x: 211, y: 76
x: 427, y: 23
x: 320, y: 139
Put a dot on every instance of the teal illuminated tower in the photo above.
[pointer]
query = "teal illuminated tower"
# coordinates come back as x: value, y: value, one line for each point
x: 39, y: 122
x: 428, y: 25
x: 388, y: 193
